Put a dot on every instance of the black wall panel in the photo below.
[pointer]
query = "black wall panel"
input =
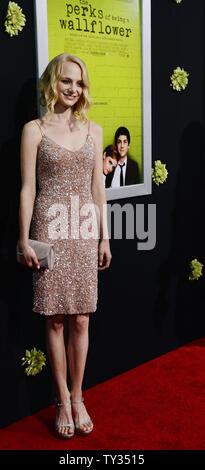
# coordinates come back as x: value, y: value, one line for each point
x: 147, y: 306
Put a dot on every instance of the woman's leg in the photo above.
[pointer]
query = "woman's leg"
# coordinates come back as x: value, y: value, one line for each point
x: 55, y: 343
x: 77, y: 354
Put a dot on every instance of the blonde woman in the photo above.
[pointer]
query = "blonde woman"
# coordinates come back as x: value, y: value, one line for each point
x: 64, y: 150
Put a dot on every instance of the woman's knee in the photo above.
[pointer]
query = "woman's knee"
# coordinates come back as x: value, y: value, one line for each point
x: 80, y: 322
x: 55, y: 323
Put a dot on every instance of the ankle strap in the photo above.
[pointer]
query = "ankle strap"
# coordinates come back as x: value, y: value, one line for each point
x: 62, y: 404
x: 78, y: 401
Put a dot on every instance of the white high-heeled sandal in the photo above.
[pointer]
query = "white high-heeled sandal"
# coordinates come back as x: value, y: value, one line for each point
x: 64, y: 435
x: 80, y: 423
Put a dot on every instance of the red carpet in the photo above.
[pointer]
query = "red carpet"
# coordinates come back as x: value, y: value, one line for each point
x: 159, y: 405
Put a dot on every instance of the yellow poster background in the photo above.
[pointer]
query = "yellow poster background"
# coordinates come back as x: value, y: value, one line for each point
x: 106, y: 34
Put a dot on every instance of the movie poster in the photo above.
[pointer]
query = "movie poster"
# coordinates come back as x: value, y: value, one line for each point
x: 107, y: 36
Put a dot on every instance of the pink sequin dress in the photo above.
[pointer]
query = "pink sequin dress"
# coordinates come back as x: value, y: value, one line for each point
x: 62, y: 210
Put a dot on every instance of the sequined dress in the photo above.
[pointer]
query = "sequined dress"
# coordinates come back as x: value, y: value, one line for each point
x: 64, y: 216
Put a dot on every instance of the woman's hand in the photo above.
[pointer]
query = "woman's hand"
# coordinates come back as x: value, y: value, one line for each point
x: 29, y: 258
x: 104, y: 254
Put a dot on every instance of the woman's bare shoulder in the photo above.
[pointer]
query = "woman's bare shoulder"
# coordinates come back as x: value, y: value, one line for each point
x: 95, y: 126
x: 31, y: 124
x: 31, y: 129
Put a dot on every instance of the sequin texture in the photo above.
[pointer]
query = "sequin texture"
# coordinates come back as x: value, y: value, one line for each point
x: 64, y: 177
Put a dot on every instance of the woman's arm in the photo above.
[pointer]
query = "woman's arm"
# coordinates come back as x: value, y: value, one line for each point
x: 28, y: 152
x: 99, y: 198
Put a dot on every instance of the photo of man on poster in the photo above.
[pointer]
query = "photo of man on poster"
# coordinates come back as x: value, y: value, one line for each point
x: 126, y: 171
x: 110, y: 160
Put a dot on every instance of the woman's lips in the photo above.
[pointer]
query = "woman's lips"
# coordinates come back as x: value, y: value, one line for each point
x: 70, y: 97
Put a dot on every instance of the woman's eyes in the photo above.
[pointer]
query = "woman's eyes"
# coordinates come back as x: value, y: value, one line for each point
x: 69, y: 81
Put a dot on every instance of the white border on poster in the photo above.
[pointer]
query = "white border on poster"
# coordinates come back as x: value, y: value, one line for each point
x: 43, y: 59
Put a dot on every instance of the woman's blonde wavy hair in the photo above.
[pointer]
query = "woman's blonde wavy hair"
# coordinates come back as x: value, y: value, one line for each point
x: 49, y: 79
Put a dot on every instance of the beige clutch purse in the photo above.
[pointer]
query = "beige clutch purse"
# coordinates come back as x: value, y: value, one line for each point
x: 44, y: 252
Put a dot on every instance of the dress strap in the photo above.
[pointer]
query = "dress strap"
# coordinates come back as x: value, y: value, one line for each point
x: 39, y: 126
x: 88, y: 127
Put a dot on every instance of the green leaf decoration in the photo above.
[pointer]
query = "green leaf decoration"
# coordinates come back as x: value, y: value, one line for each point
x: 159, y: 172
x: 196, y: 269
x: 34, y: 360
x: 15, y: 19
x: 179, y: 79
